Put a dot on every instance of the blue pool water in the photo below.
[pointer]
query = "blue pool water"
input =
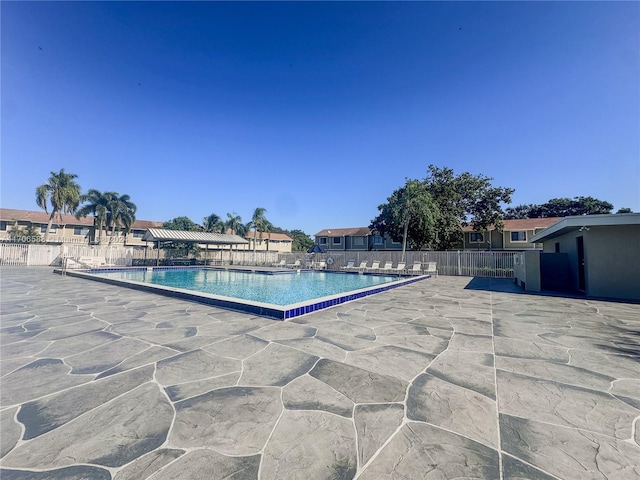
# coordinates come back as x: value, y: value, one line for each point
x: 282, y: 289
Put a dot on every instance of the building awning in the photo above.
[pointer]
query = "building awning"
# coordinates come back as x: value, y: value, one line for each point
x: 164, y: 235
x: 584, y: 222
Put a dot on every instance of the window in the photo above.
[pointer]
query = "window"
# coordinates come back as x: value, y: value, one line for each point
x: 377, y: 240
x: 520, y: 236
x: 557, y: 247
x: 3, y: 226
x: 476, y: 237
x: 138, y: 233
x: 43, y: 228
x: 322, y: 240
x: 337, y: 240
x: 358, y: 241
x: 84, y: 231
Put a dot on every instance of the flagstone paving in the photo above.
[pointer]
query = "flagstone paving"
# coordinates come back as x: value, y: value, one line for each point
x: 444, y: 378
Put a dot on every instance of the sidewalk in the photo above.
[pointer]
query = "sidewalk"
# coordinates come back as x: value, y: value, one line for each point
x: 445, y: 378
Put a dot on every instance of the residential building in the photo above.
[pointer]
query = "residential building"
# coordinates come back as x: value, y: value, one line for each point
x: 272, y: 242
x: 515, y: 235
x: 67, y: 228
x: 357, y: 239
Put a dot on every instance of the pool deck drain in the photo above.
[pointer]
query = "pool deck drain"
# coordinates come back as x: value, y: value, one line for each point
x: 450, y: 377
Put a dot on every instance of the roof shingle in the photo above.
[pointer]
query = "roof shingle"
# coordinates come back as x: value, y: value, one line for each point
x: 344, y: 232
x: 8, y: 214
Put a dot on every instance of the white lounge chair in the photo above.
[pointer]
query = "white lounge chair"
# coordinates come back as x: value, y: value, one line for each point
x: 400, y: 268
x: 295, y: 264
x: 361, y: 267
x: 388, y: 266
x: 431, y: 269
x: 350, y: 265
x: 416, y: 269
x: 94, y: 262
x: 281, y: 263
x: 375, y: 266
x: 321, y: 265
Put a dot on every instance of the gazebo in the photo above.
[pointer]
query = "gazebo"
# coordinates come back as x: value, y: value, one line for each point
x: 161, y: 235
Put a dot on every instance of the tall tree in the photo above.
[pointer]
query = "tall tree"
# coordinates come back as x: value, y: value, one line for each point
x: 410, y: 214
x: 561, y: 207
x: 520, y: 211
x: 62, y: 192
x: 181, y: 223
x: 259, y: 225
x: 97, y: 203
x: 184, y: 224
x: 301, y: 241
x: 235, y: 225
x: 213, y: 223
x: 122, y: 213
x: 462, y: 200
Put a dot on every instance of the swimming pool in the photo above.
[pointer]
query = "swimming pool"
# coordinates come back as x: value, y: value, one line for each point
x: 266, y: 287
x: 280, y: 294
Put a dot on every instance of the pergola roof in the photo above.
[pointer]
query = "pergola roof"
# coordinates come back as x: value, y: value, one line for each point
x: 164, y: 235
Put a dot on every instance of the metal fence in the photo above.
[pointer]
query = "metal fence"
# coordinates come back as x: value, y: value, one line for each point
x: 457, y: 263
x: 26, y: 254
x: 52, y: 255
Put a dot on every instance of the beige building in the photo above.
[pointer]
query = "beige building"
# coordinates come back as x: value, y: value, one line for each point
x: 271, y: 242
x: 515, y: 235
x: 14, y: 225
x: 68, y: 229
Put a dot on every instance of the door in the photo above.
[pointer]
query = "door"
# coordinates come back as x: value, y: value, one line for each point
x: 581, y: 272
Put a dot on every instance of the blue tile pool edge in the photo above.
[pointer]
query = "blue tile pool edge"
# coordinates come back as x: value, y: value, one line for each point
x: 247, y: 306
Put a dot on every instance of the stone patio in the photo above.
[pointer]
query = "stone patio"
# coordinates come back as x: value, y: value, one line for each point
x: 445, y: 378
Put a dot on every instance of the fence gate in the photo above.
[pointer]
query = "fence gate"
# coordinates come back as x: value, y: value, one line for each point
x: 26, y: 254
x: 12, y: 254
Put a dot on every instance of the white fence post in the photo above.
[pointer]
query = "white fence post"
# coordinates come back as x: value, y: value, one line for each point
x: 458, y: 263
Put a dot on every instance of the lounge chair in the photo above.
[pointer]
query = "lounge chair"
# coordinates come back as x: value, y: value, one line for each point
x: 94, y: 262
x: 361, y: 267
x: 350, y: 265
x: 321, y: 265
x: 431, y: 269
x: 295, y: 264
x: 416, y: 269
x: 388, y: 266
x: 400, y: 268
x: 281, y: 263
x: 375, y: 266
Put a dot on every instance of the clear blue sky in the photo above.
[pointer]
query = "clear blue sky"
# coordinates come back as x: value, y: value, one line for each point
x: 318, y: 111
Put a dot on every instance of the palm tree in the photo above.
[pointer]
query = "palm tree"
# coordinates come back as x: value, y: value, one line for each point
x: 62, y: 192
x: 260, y: 224
x: 98, y: 205
x: 122, y: 212
x: 235, y: 225
x: 213, y: 223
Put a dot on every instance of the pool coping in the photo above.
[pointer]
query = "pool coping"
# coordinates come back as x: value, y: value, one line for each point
x: 279, y: 312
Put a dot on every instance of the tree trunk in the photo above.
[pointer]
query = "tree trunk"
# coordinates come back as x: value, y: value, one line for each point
x: 100, y: 233
x: 113, y: 231
x: 46, y: 233
x: 404, y: 238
